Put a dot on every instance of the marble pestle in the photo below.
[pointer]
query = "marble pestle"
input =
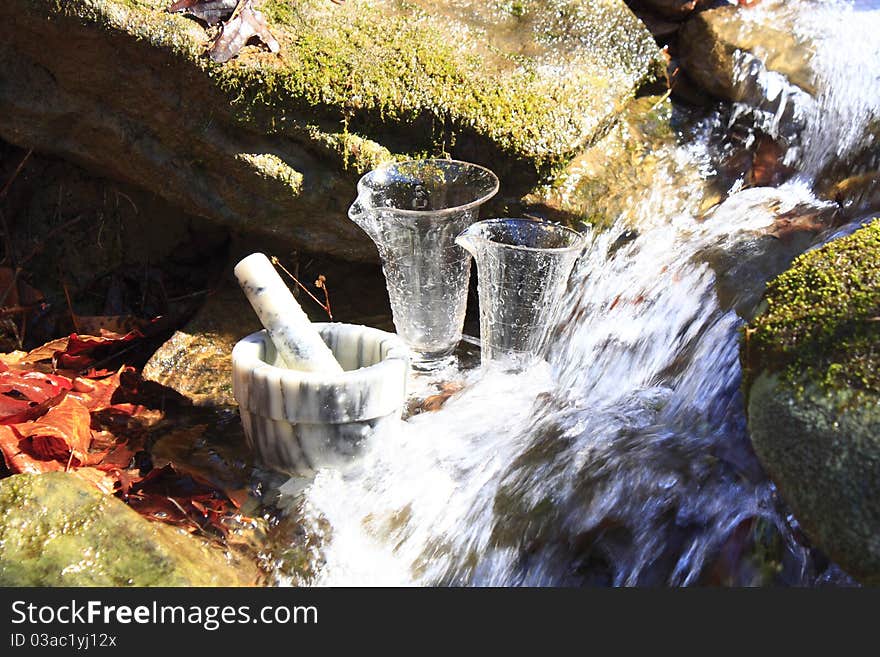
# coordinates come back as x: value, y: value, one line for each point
x: 298, y: 343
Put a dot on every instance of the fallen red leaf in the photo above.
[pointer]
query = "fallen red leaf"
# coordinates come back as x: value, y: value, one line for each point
x: 95, y: 428
x: 125, y: 479
x: 19, y: 461
x: 109, y: 326
x: 181, y: 498
x: 105, y: 482
x: 63, y: 433
x: 238, y: 497
x: 117, y: 458
x: 47, y: 351
x: 83, y: 351
x: 768, y: 168
x: 27, y: 395
x: 96, y: 394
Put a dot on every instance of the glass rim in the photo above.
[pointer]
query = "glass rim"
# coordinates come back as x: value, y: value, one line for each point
x: 580, y: 239
x: 496, y: 184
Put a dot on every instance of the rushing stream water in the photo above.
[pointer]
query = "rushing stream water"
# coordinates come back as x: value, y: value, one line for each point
x: 624, y: 460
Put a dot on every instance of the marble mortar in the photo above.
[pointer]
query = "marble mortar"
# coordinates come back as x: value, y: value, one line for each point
x: 297, y: 422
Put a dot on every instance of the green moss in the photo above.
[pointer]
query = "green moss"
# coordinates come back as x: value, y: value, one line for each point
x: 356, y: 153
x: 377, y: 67
x: 272, y: 167
x: 393, y: 69
x: 822, y: 317
x: 58, y: 530
x: 143, y: 19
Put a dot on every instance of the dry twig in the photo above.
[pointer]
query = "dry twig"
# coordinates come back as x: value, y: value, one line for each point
x: 320, y: 283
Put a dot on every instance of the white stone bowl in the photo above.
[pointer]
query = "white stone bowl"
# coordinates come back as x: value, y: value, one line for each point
x: 297, y: 422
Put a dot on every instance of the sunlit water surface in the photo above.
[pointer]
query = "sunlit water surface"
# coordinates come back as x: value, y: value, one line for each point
x: 625, y: 459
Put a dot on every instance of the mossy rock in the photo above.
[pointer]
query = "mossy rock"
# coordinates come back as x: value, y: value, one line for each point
x: 812, y: 375
x: 821, y: 318
x: 57, y: 530
x: 610, y: 179
x: 275, y: 143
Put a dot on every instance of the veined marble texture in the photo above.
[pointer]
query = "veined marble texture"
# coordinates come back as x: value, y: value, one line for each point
x: 297, y: 421
x: 296, y: 342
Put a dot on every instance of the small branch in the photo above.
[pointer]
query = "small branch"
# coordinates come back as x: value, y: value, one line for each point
x: 18, y: 310
x: 191, y: 295
x: 13, y: 285
x: 52, y: 233
x: 663, y: 97
x: 185, y: 514
x: 7, y: 241
x: 16, y: 272
x: 7, y: 236
x: 98, y: 364
x: 70, y: 306
x: 127, y: 198
x: 324, y: 306
x: 15, y: 173
x: 321, y: 284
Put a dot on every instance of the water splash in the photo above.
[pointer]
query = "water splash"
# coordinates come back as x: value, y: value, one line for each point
x: 625, y: 459
x: 846, y: 116
x: 839, y: 117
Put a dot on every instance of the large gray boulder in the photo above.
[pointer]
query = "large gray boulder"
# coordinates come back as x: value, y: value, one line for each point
x: 274, y: 143
x: 58, y: 530
x: 812, y: 375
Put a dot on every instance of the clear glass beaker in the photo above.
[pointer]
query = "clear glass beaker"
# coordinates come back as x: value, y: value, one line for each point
x: 413, y: 211
x: 523, y: 266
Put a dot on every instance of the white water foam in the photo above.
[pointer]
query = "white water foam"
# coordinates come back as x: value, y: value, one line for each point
x: 625, y: 459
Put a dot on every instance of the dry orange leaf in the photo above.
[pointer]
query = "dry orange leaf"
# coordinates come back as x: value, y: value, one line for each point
x: 63, y: 432
x: 18, y: 460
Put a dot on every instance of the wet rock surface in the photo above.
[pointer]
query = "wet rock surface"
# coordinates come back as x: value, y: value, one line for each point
x: 274, y: 143
x: 784, y: 223
x: 775, y: 61
x: 811, y: 367
x: 57, y: 530
x: 713, y: 45
x: 605, y: 181
x: 196, y: 360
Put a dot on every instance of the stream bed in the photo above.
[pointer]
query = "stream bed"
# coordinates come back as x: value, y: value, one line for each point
x: 625, y: 458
